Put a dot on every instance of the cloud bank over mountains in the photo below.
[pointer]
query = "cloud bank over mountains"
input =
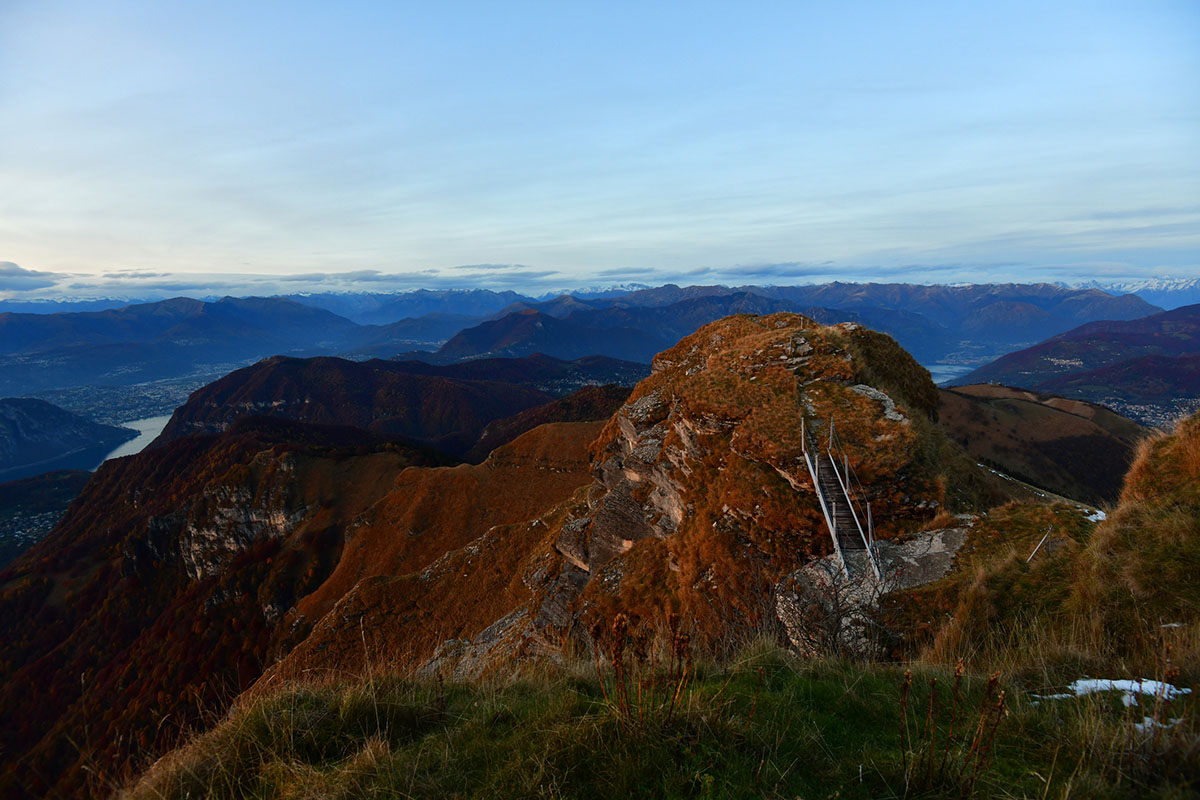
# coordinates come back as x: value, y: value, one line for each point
x: 14, y: 278
x: 24, y: 284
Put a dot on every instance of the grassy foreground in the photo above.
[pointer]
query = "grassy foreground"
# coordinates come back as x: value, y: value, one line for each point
x: 769, y: 726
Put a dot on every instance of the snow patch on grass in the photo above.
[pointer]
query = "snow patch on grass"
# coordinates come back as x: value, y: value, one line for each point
x: 1130, y: 689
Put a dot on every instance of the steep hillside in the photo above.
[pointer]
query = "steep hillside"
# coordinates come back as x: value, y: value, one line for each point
x: 180, y: 572
x: 37, y: 437
x: 1142, y: 368
x: 159, y: 590
x: 1139, y: 570
x: 700, y: 503
x: 431, y: 512
x: 1015, y: 606
x: 1058, y: 594
x: 1071, y: 447
x: 379, y: 396
x: 1147, y: 386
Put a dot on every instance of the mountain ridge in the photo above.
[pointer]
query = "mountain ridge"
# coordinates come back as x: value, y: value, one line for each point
x: 179, y: 337
x: 1144, y: 367
x: 445, y: 407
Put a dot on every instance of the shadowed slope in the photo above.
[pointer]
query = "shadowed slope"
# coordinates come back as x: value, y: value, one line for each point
x: 379, y: 396
x: 37, y: 437
x: 589, y: 404
x: 1070, y: 447
x: 162, y: 585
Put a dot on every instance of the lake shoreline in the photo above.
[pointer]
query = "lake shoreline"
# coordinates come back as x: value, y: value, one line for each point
x: 148, y: 430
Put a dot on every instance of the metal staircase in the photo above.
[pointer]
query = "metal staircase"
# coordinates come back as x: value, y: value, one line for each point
x: 843, y: 501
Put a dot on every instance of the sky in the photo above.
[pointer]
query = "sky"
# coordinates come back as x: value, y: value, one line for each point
x: 152, y: 149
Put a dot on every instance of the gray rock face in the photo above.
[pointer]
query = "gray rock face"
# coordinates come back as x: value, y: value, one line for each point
x: 637, y: 496
x: 468, y: 659
x: 826, y: 611
x: 889, y: 405
x: 229, y: 520
x: 920, y: 559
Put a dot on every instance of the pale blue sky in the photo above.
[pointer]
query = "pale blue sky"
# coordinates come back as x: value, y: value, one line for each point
x: 153, y: 146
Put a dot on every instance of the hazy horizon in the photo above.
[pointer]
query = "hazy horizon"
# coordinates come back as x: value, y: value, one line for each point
x: 1186, y: 289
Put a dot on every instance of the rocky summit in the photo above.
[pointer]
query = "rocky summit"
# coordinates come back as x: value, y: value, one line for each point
x: 700, y: 503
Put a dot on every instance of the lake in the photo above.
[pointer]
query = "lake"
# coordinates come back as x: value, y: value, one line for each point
x: 946, y: 372
x: 147, y: 429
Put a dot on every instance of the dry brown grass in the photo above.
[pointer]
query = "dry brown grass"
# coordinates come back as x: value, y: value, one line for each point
x: 1139, y: 569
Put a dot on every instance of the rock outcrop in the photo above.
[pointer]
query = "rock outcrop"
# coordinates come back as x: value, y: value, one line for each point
x: 700, y: 505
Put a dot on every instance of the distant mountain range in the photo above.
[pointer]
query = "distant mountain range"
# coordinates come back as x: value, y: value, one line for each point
x: 37, y: 437
x: 1148, y: 369
x: 157, y: 340
x: 182, y: 337
x: 961, y: 323
x: 377, y: 308
x: 382, y: 309
x: 179, y: 337
x: 1166, y: 292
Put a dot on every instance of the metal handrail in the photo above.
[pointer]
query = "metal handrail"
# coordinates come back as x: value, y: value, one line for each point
x: 852, y: 477
x: 851, y: 484
x: 866, y: 540
x: 813, y: 467
x: 848, y: 486
x: 849, y: 489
